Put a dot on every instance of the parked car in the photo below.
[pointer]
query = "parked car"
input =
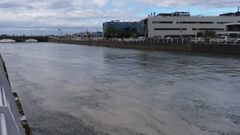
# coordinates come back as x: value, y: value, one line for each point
x: 231, y: 40
x: 141, y: 39
x: 128, y: 39
x: 237, y: 41
x: 197, y: 40
x: 220, y: 39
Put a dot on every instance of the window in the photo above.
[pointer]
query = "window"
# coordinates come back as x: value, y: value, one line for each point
x: 205, y: 22
x: 222, y: 22
x: 170, y: 28
x: 187, y: 22
x: 162, y: 22
x: 208, y: 29
x: 221, y: 37
x: 192, y: 22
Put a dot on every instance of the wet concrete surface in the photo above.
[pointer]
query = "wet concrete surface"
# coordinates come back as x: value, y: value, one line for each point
x: 69, y: 90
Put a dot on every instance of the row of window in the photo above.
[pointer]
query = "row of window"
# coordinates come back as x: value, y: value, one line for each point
x: 223, y: 22
x: 207, y: 29
x: 162, y: 22
x: 187, y: 22
x: 170, y: 28
x: 184, y: 22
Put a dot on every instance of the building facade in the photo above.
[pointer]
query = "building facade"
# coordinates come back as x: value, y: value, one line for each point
x: 233, y: 27
x: 119, y: 26
x: 182, y: 24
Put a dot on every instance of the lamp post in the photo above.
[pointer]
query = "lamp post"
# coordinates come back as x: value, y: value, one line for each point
x: 59, y: 32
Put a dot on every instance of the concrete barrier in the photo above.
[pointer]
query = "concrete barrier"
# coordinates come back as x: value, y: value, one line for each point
x: 183, y: 47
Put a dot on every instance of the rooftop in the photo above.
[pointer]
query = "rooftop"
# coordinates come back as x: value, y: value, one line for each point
x: 188, y: 14
x: 174, y: 14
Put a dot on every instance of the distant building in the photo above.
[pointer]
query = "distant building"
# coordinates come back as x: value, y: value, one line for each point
x: 141, y: 28
x: 97, y: 34
x: 231, y: 13
x: 232, y: 30
x: 82, y: 34
x: 183, y: 24
x: 119, y: 26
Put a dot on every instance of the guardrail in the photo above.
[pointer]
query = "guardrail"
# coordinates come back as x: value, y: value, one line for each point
x: 3, y: 124
x: 168, y: 40
x: 178, y: 41
x: 7, y: 118
x: 10, y: 118
x: 2, y: 97
x: 2, y: 115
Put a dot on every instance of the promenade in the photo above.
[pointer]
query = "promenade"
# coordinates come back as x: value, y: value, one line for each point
x: 10, y: 119
x: 166, y: 45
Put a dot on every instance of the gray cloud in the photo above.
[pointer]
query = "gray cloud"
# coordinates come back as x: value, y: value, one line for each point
x: 8, y: 5
x: 199, y: 3
x: 42, y: 14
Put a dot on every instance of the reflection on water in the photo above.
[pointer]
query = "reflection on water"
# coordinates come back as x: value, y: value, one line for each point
x: 67, y: 89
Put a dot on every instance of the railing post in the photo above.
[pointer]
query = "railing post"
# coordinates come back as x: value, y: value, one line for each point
x: 3, y: 124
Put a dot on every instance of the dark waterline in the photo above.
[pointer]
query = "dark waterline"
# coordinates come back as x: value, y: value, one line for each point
x: 67, y: 89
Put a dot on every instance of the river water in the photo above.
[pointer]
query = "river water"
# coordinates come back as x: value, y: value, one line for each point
x: 83, y: 90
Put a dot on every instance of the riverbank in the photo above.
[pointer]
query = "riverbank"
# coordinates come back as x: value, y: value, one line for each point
x: 181, y: 47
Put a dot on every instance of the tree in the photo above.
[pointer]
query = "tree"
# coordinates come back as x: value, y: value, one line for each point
x: 209, y: 34
x: 206, y: 34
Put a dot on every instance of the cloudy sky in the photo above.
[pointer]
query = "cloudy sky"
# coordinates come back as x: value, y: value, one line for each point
x: 45, y: 16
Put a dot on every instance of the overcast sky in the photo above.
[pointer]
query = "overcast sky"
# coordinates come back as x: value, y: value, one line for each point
x: 45, y: 16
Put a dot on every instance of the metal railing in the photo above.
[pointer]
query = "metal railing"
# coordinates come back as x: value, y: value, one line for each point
x: 3, y: 124
x: 2, y: 115
x: 2, y: 97
x: 155, y: 40
x: 8, y: 124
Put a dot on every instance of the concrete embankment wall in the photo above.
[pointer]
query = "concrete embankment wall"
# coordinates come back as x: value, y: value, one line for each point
x: 130, y: 45
x: 216, y: 48
x: 185, y: 47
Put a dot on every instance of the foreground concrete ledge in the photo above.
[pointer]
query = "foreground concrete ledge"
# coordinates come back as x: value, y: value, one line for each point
x: 10, y: 118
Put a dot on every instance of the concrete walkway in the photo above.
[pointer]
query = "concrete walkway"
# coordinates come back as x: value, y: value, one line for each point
x: 10, y: 123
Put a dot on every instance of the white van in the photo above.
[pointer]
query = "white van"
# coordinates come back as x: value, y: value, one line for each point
x: 220, y: 39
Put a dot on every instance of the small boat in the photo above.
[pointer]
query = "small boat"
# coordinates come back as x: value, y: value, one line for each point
x: 7, y: 41
x: 31, y: 41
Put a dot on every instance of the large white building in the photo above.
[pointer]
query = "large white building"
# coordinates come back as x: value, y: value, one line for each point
x: 182, y: 24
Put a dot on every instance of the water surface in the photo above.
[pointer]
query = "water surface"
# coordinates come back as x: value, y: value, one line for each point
x: 72, y: 89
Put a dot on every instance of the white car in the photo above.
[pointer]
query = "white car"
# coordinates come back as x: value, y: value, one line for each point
x: 221, y: 39
x: 231, y: 40
x: 197, y: 40
x: 140, y: 39
x: 237, y: 41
